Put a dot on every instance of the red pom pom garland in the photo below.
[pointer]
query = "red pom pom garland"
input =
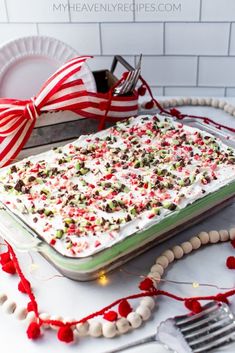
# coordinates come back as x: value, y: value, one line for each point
x: 65, y: 334
x: 9, y: 267
x: 24, y: 287
x: 147, y: 284
x: 124, y: 310
x: 5, y: 257
x: 149, y: 105
x: 193, y: 305
x: 142, y: 90
x: 231, y: 262
x: 33, y: 331
x: 111, y: 315
x: 233, y: 243
x: 221, y: 298
x: 29, y: 307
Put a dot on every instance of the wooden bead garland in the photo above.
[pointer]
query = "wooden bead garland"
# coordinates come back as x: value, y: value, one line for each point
x: 194, y: 101
x: 142, y: 313
x: 194, y: 243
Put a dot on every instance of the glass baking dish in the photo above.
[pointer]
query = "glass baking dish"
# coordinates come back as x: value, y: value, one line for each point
x: 23, y: 238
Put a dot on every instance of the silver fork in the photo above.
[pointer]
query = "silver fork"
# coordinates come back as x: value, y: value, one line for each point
x: 130, y: 82
x: 123, y: 87
x: 212, y: 328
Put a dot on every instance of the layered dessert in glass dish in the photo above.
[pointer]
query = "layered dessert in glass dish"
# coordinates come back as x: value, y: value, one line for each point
x: 95, y: 203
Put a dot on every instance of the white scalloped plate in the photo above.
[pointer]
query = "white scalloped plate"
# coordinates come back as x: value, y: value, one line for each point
x: 26, y: 63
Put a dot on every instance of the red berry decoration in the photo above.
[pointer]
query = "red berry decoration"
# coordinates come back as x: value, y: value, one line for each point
x: 4, y: 258
x: 9, y: 267
x: 124, y: 308
x: 193, y: 305
x: 146, y: 284
x: 24, y: 287
x: 65, y: 334
x: 110, y: 316
x: 142, y: 90
x: 230, y: 263
x: 149, y: 105
x: 33, y: 331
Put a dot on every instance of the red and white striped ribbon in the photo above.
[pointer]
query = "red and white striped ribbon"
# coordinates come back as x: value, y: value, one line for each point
x: 17, y: 118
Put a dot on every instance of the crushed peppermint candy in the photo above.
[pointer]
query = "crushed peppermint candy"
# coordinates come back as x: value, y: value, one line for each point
x: 92, y: 193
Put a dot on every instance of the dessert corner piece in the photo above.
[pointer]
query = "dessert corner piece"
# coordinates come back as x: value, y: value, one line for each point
x: 91, y: 194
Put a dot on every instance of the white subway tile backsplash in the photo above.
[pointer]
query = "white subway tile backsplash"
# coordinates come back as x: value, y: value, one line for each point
x: 186, y: 38
x: 217, y: 71
x: 3, y: 14
x: 105, y: 11
x: 38, y: 10
x: 10, y: 32
x: 188, y: 45
x: 132, y: 38
x: 195, y: 91
x: 230, y: 92
x: 170, y: 70
x: 170, y: 10
x: 82, y: 37
x: 218, y: 10
x: 156, y: 91
x: 232, y: 40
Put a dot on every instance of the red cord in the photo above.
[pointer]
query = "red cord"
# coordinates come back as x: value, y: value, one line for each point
x: 24, y: 281
x: 150, y: 293
x: 177, y: 114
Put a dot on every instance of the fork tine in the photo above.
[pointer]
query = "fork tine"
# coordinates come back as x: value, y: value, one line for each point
x: 208, y: 308
x: 124, y: 84
x: 135, y: 80
x: 213, y: 327
x: 204, y: 320
x: 127, y: 82
x: 137, y: 74
x: 222, y: 341
x: 212, y: 334
x: 205, y: 329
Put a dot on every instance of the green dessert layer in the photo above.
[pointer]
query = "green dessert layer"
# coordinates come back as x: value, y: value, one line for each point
x: 138, y: 239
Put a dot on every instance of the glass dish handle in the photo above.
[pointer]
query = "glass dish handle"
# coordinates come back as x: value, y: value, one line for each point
x: 16, y: 235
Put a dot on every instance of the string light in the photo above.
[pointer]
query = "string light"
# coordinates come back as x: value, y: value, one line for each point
x: 33, y: 267
x: 103, y: 279
x: 195, y: 284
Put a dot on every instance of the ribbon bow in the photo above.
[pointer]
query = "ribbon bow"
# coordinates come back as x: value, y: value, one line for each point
x: 18, y: 117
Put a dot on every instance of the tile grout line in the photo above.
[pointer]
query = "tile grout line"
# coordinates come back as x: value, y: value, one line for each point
x: 100, y: 36
x: 69, y: 12
x: 119, y: 22
x: 164, y: 38
x: 37, y: 28
x: 197, y: 73
x: 200, y: 11
x: 134, y: 15
x: 6, y: 9
x: 229, y: 38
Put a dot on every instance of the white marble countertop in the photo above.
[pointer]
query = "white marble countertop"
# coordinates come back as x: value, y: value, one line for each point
x: 73, y: 299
